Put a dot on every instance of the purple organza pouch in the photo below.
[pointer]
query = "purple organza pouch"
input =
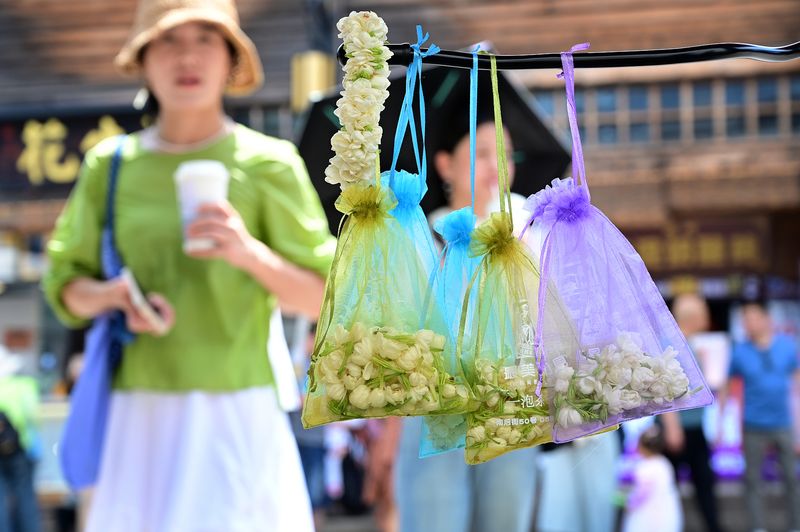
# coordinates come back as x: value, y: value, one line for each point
x: 632, y: 361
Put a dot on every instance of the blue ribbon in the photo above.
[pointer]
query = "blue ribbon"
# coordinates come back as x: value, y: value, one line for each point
x: 473, y: 120
x: 406, y: 119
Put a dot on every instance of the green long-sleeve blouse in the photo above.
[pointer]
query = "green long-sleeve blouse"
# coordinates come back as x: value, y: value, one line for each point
x: 222, y: 314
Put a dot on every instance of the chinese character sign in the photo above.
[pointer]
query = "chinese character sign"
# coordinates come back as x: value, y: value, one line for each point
x: 41, y: 157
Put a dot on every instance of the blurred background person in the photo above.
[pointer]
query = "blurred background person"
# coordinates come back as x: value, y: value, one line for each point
x: 442, y: 493
x: 196, y: 438
x: 72, y: 513
x: 19, y: 399
x: 684, y: 440
x: 653, y: 504
x: 578, y: 483
x: 312, y: 448
x: 767, y: 363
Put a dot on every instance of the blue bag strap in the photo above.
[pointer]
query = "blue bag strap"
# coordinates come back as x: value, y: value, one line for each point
x: 110, y: 257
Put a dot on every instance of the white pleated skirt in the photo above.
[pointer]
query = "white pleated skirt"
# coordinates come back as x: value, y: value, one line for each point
x: 199, y: 462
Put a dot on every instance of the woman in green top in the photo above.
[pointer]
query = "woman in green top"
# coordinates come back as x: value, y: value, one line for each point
x: 195, y: 439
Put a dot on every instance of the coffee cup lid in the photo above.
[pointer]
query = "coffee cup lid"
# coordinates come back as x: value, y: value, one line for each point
x: 200, y: 168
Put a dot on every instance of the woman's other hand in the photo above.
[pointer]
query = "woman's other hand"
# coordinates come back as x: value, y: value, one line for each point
x: 137, y: 322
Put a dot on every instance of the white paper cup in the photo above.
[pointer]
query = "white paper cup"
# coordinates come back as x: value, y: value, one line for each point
x: 199, y: 182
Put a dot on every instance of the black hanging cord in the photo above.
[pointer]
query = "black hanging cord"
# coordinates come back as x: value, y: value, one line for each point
x: 403, y: 54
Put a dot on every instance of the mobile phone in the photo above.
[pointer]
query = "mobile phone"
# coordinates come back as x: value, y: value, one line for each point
x: 144, y: 307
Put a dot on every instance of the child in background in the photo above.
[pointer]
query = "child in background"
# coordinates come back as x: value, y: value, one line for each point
x: 654, y: 504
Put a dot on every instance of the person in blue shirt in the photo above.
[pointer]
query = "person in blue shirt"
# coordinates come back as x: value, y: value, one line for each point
x: 766, y: 363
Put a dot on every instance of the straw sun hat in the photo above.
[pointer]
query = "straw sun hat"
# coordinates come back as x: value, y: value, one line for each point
x: 156, y: 16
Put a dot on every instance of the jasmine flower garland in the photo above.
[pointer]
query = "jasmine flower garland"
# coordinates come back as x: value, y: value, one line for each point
x: 619, y: 378
x: 366, y: 83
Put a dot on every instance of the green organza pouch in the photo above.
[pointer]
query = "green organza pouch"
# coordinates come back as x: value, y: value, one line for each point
x: 498, y: 351
x: 381, y: 347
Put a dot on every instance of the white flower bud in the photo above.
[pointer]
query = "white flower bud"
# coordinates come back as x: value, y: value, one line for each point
x: 659, y: 390
x: 613, y: 398
x: 408, y: 360
x: 395, y: 395
x: 377, y: 398
x: 419, y: 393
x: 492, y: 400
x: 391, y: 349
x: 369, y: 371
x: 476, y: 434
x: 332, y: 362
x: 359, y: 397
x: 353, y: 369
x: 586, y: 385
x: 619, y: 376
x: 417, y: 379
x: 509, y: 407
x: 569, y: 417
x: 350, y: 382
x: 358, y: 331
x: 340, y: 335
x: 503, y: 431
x: 425, y: 336
x: 630, y: 400
x: 563, y: 376
x: 678, y: 385
x: 438, y: 342
x: 335, y: 391
x: 641, y: 378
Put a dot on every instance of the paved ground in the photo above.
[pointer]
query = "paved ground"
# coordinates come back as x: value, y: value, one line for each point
x: 730, y: 497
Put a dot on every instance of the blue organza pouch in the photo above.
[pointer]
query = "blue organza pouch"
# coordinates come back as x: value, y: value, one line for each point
x: 448, y: 287
x: 448, y: 432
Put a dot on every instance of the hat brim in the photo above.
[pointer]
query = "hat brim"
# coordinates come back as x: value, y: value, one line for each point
x: 247, y: 75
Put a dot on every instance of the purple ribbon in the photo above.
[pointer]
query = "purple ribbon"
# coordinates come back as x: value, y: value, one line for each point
x: 578, y: 166
x: 579, y: 176
x: 568, y: 74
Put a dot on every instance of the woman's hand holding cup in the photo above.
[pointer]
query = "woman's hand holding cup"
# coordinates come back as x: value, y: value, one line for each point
x: 221, y: 224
